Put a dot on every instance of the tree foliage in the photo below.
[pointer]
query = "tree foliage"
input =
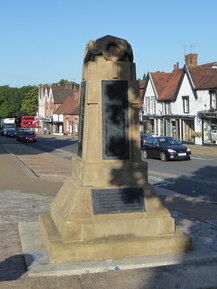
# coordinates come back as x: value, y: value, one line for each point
x: 15, y: 102
x: 64, y: 82
x: 29, y: 104
x: 145, y: 76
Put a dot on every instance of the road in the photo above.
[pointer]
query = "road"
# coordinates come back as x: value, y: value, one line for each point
x: 53, y: 144
x: 196, y: 178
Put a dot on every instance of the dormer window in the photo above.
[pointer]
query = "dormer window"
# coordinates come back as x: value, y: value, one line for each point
x: 185, y: 100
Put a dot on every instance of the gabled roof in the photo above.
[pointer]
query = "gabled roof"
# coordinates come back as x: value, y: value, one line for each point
x: 204, y: 76
x: 60, y: 93
x: 166, y: 84
x: 70, y: 105
x: 142, y: 86
x: 42, y: 89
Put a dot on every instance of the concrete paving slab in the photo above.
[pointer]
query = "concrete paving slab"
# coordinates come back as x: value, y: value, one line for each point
x: 38, y: 263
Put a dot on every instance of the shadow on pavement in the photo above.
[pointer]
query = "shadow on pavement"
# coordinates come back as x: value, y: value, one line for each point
x: 14, y: 267
x: 201, y: 184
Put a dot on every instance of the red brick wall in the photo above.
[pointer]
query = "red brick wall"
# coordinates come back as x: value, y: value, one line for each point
x: 191, y: 60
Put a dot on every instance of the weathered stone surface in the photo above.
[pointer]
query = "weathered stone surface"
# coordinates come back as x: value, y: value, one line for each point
x: 109, y: 159
x: 112, y: 48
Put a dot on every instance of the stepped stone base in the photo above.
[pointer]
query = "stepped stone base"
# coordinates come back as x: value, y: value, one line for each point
x: 74, y: 251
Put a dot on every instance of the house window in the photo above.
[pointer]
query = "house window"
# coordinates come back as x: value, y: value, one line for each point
x: 147, y: 104
x: 153, y: 105
x: 167, y: 108
x: 185, y: 100
x: 213, y: 99
x: 76, y: 127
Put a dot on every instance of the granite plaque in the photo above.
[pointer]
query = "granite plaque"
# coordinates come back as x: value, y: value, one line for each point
x: 115, y: 119
x: 81, y: 118
x: 115, y: 201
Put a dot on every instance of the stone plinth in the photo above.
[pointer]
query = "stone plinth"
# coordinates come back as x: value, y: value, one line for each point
x: 107, y: 209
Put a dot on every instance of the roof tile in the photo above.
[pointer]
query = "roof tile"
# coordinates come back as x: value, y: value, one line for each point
x: 204, y: 76
x: 70, y: 104
x: 166, y: 84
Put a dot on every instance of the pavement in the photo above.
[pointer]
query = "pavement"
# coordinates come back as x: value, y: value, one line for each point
x: 204, y: 150
x: 29, y: 181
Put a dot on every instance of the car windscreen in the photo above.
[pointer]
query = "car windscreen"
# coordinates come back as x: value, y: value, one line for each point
x: 168, y: 141
x: 29, y: 133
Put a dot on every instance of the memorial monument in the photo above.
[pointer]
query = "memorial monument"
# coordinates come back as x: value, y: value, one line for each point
x: 107, y: 209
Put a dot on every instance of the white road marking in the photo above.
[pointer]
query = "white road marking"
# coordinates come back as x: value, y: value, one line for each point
x: 202, y: 159
x: 160, y: 182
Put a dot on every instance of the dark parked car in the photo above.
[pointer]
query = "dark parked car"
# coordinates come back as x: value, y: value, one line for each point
x: 165, y: 148
x: 19, y: 133
x: 26, y: 136
x: 143, y: 138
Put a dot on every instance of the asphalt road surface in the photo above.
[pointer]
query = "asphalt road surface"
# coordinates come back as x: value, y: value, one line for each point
x: 196, y: 178
x: 51, y: 144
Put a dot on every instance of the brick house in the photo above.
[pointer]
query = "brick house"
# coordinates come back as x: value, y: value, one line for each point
x: 66, y: 116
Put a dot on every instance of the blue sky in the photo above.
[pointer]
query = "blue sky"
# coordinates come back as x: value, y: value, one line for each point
x: 43, y: 41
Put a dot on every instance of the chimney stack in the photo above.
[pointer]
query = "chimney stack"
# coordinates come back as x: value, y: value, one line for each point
x: 191, y: 60
x: 176, y: 66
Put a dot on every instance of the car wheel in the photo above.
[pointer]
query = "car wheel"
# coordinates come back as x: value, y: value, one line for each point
x: 163, y: 157
x: 144, y: 155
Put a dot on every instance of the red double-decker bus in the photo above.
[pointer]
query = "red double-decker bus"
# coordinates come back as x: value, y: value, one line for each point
x: 28, y: 121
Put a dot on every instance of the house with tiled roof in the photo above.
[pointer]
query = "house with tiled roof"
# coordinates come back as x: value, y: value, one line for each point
x: 50, y: 98
x: 182, y: 103
x: 160, y: 91
x: 66, y: 116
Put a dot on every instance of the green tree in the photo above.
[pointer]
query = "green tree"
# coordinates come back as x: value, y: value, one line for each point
x: 6, y: 95
x: 64, y: 82
x: 29, y: 105
x: 145, y: 76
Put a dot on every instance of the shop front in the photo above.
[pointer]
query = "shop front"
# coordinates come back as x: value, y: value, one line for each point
x: 209, y: 127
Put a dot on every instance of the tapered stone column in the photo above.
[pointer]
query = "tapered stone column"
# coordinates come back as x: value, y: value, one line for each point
x: 107, y: 209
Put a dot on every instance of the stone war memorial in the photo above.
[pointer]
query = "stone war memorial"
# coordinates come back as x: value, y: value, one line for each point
x: 107, y: 209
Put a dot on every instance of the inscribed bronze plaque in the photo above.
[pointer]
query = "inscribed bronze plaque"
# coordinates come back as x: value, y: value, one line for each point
x: 81, y: 117
x: 115, y: 119
x: 115, y: 201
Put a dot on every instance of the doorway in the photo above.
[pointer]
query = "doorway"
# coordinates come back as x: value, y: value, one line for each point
x: 187, y: 130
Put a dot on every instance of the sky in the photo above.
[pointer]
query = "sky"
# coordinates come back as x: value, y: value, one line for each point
x: 43, y: 41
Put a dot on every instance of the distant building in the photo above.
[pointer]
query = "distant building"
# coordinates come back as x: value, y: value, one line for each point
x: 50, y: 98
x: 66, y: 116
